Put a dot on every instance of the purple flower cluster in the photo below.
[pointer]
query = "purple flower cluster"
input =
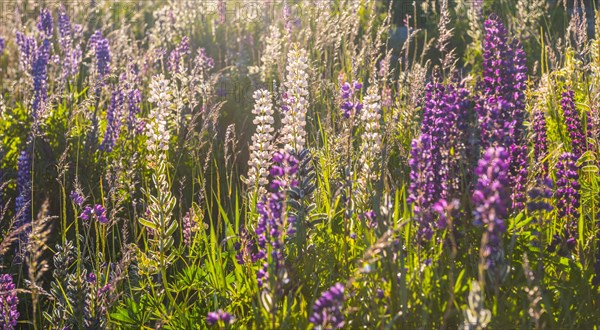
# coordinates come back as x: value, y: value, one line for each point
x: 64, y: 28
x: 2, y: 45
x: 501, y: 107
x: 573, y: 122
x: 39, y: 73
x: 44, y: 25
x: 27, y: 50
x: 97, y: 212
x: 567, y: 194
x: 274, y: 225
x: 9, y: 300
x: 182, y: 49
x: 71, y: 54
x: 518, y: 175
x: 77, y: 198
x: 434, y: 171
x: 327, y: 310
x: 113, y: 118
x: 351, y: 104
x: 504, y: 80
x: 540, y: 196
x: 132, y: 96
x: 202, y: 61
x: 219, y: 316
x: 102, y: 50
x: 491, y: 198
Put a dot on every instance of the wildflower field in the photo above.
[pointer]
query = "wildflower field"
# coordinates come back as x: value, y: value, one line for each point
x: 286, y: 164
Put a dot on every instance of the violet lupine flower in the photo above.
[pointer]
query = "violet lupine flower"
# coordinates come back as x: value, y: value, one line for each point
x: 44, y: 25
x: 274, y: 225
x: 518, y: 175
x: 187, y: 229
x: 351, y: 104
x: 132, y: 95
x: 504, y: 77
x: 434, y: 171
x: 423, y: 189
x: 39, y: 72
x: 64, y: 29
x: 491, y: 199
x: 540, y: 196
x: 573, y: 122
x: 77, y: 198
x: 567, y: 195
x: 71, y: 54
x: 102, y: 51
x: 219, y: 316
x: 113, y: 125
x: 2, y: 45
x: 9, y: 301
x: 27, y: 50
x: 182, y: 49
x: 327, y: 310
x: 97, y: 212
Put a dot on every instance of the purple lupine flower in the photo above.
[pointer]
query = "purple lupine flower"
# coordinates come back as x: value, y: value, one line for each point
x: 97, y: 212
x: 434, y: 171
x: 573, y: 122
x: 27, y: 50
x: 423, y: 189
x: 129, y: 85
x: 100, y: 213
x: 113, y: 119
x: 187, y: 229
x: 91, y: 278
x: 71, y: 54
x: 102, y: 50
x: 540, y: 144
x: 182, y: 49
x: 77, y: 198
x: 2, y: 45
x: 327, y: 310
x: 44, y: 25
x: 64, y: 29
x: 39, y: 73
x: 202, y: 61
x: 351, y: 104
x: 273, y: 224
x: 9, y: 300
x: 567, y: 195
x: 219, y: 316
x: 504, y: 77
x: 540, y: 196
x: 518, y: 175
x: 491, y: 199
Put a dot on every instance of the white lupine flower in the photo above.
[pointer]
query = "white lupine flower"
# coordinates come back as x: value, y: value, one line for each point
x: 272, y: 53
x: 293, y: 133
x: 370, y: 116
x: 261, y: 149
x: 156, y: 125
